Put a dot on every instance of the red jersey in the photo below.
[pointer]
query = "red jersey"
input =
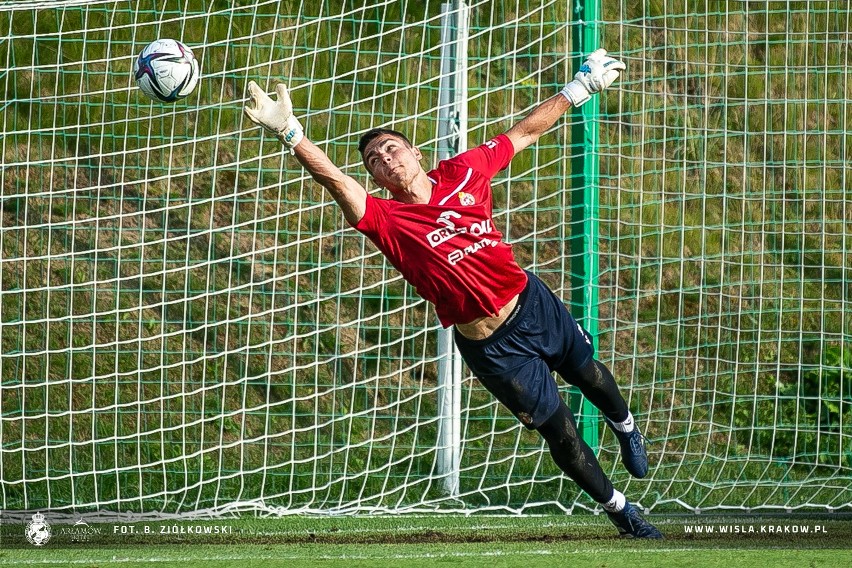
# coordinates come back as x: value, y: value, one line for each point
x: 449, y: 249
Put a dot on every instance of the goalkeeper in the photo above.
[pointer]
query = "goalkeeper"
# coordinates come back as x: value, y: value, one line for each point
x: 510, y: 328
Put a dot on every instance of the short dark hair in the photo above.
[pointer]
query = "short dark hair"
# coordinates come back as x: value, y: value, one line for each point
x: 374, y: 133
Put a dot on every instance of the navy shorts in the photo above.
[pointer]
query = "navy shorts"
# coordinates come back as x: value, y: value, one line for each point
x: 515, y: 363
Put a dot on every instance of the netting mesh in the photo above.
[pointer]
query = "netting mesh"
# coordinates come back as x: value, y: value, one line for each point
x: 189, y: 324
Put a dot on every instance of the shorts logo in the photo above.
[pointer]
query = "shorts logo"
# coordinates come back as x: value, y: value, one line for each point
x: 584, y: 334
x: 525, y: 418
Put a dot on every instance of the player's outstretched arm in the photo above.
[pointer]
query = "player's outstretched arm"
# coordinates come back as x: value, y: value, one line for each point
x: 346, y: 191
x: 277, y: 117
x: 597, y: 73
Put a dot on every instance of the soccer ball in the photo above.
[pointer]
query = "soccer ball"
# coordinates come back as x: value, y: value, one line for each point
x: 166, y: 70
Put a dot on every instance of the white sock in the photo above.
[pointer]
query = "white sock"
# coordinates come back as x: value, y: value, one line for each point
x: 616, y: 503
x: 627, y: 425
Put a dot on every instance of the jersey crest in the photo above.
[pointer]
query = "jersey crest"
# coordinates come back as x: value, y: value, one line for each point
x: 466, y: 199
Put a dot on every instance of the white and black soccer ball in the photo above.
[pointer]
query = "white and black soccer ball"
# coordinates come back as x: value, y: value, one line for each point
x: 166, y: 70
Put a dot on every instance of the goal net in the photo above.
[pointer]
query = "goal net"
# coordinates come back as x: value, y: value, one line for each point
x: 724, y: 212
x: 189, y: 325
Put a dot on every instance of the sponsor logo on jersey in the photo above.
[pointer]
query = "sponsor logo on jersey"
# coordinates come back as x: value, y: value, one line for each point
x: 448, y: 231
x: 481, y: 227
x: 459, y: 254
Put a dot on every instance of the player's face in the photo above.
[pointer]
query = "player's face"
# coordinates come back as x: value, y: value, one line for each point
x: 393, y: 163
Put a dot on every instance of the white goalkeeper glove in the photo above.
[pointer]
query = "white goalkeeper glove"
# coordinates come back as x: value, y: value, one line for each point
x: 275, y: 116
x: 597, y: 73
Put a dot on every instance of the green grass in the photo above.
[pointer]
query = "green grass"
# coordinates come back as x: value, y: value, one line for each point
x: 513, y: 555
x: 468, y: 541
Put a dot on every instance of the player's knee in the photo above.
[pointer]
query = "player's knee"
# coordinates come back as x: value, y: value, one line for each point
x: 566, y: 450
x: 596, y: 375
x: 560, y: 432
x: 569, y: 445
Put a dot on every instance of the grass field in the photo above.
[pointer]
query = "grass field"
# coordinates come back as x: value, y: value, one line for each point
x: 581, y: 540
